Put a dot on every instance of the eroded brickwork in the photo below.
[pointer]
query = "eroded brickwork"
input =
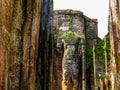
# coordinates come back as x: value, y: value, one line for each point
x: 75, y: 21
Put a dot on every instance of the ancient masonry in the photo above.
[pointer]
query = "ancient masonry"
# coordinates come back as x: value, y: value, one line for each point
x: 75, y: 21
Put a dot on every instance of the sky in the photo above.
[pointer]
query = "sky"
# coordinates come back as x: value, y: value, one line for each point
x: 98, y: 9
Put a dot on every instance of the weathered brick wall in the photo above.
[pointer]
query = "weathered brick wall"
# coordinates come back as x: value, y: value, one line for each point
x: 66, y: 20
x: 91, y: 37
x: 91, y: 30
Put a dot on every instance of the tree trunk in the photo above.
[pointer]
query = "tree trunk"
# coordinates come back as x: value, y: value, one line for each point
x: 115, y: 36
x: 94, y: 67
x: 20, y: 35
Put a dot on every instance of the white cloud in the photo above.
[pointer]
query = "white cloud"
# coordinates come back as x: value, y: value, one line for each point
x: 92, y: 8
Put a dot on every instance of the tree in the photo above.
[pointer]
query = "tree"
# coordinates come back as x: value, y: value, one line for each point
x: 94, y: 66
x: 115, y: 36
x: 20, y: 40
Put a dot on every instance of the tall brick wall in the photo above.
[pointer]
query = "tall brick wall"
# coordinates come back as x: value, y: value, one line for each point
x: 65, y: 20
x: 70, y: 20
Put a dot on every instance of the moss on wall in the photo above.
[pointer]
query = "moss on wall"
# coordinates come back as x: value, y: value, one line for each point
x: 79, y: 26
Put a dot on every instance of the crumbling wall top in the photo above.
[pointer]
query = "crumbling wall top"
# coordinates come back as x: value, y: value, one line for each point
x: 68, y: 11
x: 91, y: 19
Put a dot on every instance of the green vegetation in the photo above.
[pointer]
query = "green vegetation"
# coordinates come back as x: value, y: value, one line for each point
x: 70, y: 37
x: 102, y: 48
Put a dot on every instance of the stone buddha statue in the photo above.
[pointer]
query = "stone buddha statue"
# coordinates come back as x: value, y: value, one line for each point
x: 71, y: 61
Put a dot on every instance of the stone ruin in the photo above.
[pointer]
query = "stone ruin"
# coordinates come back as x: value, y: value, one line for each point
x: 64, y: 22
